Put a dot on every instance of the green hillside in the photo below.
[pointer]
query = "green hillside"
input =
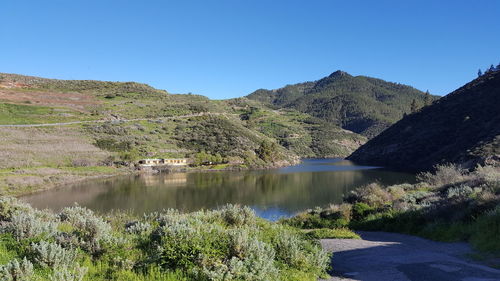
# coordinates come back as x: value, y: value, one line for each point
x: 357, y: 103
x: 462, y: 127
x: 103, y: 128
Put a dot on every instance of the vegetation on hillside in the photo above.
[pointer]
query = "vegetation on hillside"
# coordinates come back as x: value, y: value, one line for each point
x: 462, y: 127
x: 122, y: 122
x: 305, y: 135
x: 226, y: 244
x: 142, y: 122
x: 450, y: 204
x: 360, y: 104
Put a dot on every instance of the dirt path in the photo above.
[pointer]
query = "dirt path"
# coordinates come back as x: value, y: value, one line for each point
x: 113, y: 120
x: 390, y: 256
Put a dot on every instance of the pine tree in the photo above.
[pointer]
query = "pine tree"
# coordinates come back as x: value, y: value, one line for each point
x: 492, y: 68
x: 414, y: 106
x: 427, y: 98
x: 479, y: 73
x: 498, y: 67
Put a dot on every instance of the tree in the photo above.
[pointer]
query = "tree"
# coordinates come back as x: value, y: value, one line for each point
x: 266, y: 151
x: 201, y: 158
x: 492, y: 68
x: 427, y: 98
x: 414, y: 106
x: 498, y: 67
x: 479, y: 73
x: 218, y: 158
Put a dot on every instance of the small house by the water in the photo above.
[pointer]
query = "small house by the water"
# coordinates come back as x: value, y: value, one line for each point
x: 163, y: 162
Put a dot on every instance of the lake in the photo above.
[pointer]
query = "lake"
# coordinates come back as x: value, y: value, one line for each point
x: 271, y: 193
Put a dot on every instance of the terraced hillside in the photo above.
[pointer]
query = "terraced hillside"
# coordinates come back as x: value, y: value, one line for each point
x: 56, y: 131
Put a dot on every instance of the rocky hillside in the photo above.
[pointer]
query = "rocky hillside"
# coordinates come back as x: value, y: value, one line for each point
x: 360, y: 104
x: 462, y: 127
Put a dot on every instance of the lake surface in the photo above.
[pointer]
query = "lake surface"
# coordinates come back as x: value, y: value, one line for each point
x: 271, y: 193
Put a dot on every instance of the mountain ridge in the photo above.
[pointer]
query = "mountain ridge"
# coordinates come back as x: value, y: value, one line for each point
x: 362, y: 104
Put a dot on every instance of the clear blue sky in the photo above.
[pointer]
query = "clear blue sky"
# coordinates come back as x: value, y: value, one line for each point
x: 229, y: 48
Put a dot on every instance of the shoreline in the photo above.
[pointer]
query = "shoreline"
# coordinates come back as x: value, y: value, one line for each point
x: 125, y: 171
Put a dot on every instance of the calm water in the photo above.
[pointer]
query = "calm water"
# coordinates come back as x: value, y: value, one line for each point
x: 271, y: 193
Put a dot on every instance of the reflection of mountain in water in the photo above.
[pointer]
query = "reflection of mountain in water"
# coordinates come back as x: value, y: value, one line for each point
x: 269, y: 192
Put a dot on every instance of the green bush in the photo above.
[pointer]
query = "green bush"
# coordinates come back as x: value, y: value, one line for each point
x: 26, y: 225
x: 486, y: 231
x: 360, y: 210
x: 88, y: 232
x: 75, y: 273
x: 237, y: 216
x: 230, y: 243
x: 17, y: 271
x: 332, y: 233
x: 52, y: 255
x: 10, y: 206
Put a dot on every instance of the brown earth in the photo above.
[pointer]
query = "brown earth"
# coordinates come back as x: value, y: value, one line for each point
x: 73, y: 100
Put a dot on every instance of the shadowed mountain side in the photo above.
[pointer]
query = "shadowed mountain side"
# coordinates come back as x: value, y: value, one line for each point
x: 462, y: 127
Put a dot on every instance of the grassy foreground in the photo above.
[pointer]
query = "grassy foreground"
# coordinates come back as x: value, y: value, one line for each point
x: 450, y: 204
x: 226, y: 244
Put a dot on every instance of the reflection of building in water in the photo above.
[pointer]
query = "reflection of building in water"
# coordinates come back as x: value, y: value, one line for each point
x: 163, y: 162
x: 166, y: 179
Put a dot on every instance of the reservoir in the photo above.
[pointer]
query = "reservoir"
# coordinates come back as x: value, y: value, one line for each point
x: 271, y: 193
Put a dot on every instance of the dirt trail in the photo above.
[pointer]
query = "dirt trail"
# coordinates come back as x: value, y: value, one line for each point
x: 382, y: 256
x: 114, y: 120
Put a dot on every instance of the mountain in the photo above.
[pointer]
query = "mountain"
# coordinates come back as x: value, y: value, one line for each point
x: 360, y: 104
x: 462, y: 127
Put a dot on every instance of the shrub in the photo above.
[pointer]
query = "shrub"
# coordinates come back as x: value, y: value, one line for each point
x: 332, y: 233
x: 75, y: 273
x: 445, y: 174
x: 138, y: 228
x: 460, y: 192
x: 11, y: 205
x: 297, y: 253
x: 372, y: 194
x: 336, y: 212
x: 24, y: 225
x: 180, y: 244
x: 288, y: 249
x: 313, y: 219
x: 250, y: 259
x: 488, y: 176
x: 89, y: 231
x: 236, y: 215
x: 486, y: 231
x: 52, y: 255
x: 361, y: 210
x: 416, y: 198
x: 397, y: 191
x: 17, y: 271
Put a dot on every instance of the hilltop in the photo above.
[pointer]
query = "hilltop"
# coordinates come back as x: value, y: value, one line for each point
x: 360, y: 104
x: 462, y: 127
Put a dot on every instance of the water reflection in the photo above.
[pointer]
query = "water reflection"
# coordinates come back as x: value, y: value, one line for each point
x: 272, y: 193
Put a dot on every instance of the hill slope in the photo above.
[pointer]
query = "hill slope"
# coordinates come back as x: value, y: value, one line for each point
x: 360, y: 104
x: 462, y: 127
x: 101, y: 127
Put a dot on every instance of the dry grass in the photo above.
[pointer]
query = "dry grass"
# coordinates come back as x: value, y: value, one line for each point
x: 55, y: 146
x: 41, y: 158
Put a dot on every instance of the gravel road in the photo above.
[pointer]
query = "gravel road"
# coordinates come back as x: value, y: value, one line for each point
x: 385, y: 256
